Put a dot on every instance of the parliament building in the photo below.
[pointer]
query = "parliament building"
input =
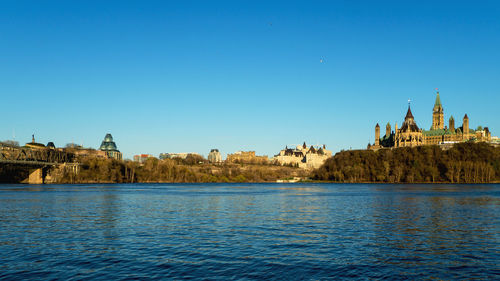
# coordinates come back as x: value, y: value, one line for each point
x: 410, y: 135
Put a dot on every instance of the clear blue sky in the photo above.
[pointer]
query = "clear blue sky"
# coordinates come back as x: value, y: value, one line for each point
x: 188, y: 76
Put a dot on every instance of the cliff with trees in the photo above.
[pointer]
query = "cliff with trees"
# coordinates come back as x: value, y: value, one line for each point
x: 462, y: 163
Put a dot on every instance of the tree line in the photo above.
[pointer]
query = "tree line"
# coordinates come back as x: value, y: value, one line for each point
x: 99, y: 170
x: 462, y: 163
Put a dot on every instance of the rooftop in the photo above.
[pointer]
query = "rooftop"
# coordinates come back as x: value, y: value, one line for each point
x: 108, y: 144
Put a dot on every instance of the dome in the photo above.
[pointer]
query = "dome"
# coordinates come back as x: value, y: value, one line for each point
x: 111, y: 146
x: 108, y: 144
x: 108, y: 138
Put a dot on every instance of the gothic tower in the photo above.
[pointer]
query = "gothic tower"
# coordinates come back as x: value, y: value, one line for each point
x: 388, y: 129
x: 437, y: 114
x: 377, y: 135
x: 451, y: 124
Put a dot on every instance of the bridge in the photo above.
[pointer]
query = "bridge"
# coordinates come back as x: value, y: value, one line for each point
x: 37, y: 160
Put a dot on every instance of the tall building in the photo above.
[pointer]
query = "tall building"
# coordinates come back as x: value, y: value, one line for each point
x: 214, y: 156
x: 437, y: 114
x: 410, y: 134
x: 109, y: 146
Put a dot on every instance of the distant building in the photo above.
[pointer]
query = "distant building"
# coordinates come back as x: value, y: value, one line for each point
x: 141, y: 158
x: 410, y: 135
x: 303, y: 156
x: 214, y: 156
x: 88, y: 152
x: 109, y: 146
x: 247, y: 157
x: 182, y: 155
x: 34, y: 144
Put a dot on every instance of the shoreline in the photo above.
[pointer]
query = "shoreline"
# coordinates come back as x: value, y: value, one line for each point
x: 258, y: 182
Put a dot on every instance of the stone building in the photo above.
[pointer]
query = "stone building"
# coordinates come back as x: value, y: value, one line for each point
x: 180, y: 155
x: 410, y: 135
x: 303, y: 156
x: 141, y: 158
x: 33, y: 144
x: 214, y: 156
x: 109, y: 146
x: 247, y: 157
x: 88, y: 152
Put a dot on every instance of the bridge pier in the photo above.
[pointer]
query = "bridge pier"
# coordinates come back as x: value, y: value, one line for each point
x: 36, y: 176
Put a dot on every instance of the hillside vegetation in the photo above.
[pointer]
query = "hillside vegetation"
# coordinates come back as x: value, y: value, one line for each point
x: 463, y: 163
x: 94, y: 170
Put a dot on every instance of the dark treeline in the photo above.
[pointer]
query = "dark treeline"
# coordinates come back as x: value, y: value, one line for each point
x: 95, y: 170
x: 462, y: 163
x: 12, y: 174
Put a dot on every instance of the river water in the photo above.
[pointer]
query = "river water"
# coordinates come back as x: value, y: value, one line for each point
x: 249, y: 231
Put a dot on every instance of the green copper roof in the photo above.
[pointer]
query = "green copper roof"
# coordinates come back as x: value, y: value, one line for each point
x: 386, y: 137
x: 438, y: 100
x: 438, y: 132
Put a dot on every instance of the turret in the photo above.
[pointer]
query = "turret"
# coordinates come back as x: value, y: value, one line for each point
x: 377, y: 135
x: 388, y: 129
x: 451, y: 124
x: 487, y: 133
x: 409, y: 115
x: 437, y: 114
x: 465, y: 125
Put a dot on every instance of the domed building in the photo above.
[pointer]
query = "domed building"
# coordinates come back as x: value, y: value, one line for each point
x: 109, y: 146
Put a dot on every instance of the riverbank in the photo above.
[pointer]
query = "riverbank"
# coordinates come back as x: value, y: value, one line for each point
x: 95, y: 170
x: 462, y: 163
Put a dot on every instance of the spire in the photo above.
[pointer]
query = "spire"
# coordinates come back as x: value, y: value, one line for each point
x: 438, y: 100
x: 438, y: 107
x: 409, y: 114
x: 466, y: 117
x: 451, y: 118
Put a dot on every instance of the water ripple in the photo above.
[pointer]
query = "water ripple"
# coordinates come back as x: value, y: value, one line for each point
x: 249, y: 231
